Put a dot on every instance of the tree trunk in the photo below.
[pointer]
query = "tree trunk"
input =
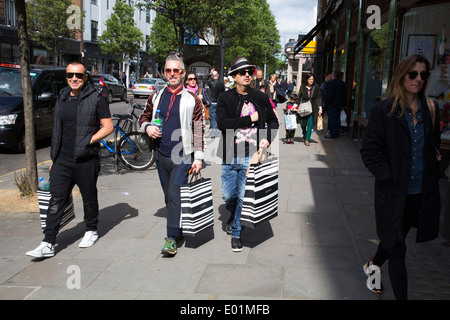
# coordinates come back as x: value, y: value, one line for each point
x: 30, y: 142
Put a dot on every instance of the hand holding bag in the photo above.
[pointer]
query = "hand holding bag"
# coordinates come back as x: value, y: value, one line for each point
x: 197, y: 211
x: 319, y: 123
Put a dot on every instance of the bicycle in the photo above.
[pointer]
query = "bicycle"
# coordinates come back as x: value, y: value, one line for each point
x: 134, y: 150
x: 131, y: 118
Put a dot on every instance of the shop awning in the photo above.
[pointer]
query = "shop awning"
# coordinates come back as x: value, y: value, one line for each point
x: 301, y: 44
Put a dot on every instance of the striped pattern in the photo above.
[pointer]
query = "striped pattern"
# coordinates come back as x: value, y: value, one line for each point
x: 44, y: 200
x: 261, y: 193
x: 197, y: 211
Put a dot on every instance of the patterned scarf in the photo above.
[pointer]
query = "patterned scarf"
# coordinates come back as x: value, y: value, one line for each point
x: 172, y: 98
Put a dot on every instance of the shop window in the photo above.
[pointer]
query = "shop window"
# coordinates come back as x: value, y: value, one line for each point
x: 374, y: 69
x: 426, y: 31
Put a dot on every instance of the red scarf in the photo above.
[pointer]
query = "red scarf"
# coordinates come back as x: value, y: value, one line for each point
x: 172, y: 98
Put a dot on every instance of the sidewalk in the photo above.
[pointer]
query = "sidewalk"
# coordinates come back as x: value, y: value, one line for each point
x: 314, y: 249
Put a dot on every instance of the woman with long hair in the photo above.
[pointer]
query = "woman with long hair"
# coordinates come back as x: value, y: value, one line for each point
x: 309, y: 91
x: 400, y: 149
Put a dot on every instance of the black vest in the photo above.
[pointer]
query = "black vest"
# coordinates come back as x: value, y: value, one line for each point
x: 87, y: 124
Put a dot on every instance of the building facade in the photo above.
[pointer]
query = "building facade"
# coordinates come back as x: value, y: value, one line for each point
x: 366, y: 39
x: 85, y: 46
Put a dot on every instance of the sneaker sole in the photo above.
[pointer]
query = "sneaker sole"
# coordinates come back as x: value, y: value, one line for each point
x: 236, y: 249
x: 172, y: 253
x: 47, y: 255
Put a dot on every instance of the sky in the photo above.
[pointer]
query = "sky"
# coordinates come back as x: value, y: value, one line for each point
x: 293, y: 17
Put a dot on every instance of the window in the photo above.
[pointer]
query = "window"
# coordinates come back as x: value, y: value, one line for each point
x: 94, y: 2
x: 147, y: 16
x: 10, y: 13
x: 94, y: 30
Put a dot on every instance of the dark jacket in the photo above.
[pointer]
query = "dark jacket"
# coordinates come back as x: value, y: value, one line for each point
x: 316, y: 102
x: 87, y: 124
x: 386, y: 152
x: 216, y: 87
x: 336, y: 94
x: 229, y: 106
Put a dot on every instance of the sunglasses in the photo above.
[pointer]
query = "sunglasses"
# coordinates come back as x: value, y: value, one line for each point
x: 423, y: 75
x: 192, y: 79
x: 243, y: 72
x: 175, y: 71
x: 70, y: 75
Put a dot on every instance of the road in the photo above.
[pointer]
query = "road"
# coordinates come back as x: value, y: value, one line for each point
x: 11, y: 162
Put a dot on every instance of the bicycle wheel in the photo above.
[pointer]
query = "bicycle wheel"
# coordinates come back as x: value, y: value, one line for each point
x: 136, y: 151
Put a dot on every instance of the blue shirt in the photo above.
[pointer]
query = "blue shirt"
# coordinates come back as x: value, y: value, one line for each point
x: 417, y: 144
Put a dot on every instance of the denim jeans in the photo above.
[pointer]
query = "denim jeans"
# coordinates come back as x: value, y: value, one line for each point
x: 233, y: 188
x: 212, y: 118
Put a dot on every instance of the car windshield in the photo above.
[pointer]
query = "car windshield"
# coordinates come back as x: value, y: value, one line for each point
x: 147, y: 81
x: 10, y: 82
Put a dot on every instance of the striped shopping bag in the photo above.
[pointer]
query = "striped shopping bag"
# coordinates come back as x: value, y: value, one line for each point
x: 44, y: 200
x: 261, y: 193
x: 197, y: 211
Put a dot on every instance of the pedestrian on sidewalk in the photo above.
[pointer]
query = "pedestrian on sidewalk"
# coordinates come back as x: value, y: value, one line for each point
x: 75, y: 148
x: 180, y: 145
x: 242, y: 116
x: 215, y: 87
x: 400, y: 149
x: 335, y: 101
x: 291, y: 106
x: 309, y: 91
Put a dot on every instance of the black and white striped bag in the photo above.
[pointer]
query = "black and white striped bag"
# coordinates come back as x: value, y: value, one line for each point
x: 261, y: 193
x: 197, y: 211
x: 44, y: 200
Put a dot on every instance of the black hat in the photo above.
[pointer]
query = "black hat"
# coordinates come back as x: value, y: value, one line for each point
x: 239, y: 63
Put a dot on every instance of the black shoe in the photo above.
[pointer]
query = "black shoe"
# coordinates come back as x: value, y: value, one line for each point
x: 236, y: 245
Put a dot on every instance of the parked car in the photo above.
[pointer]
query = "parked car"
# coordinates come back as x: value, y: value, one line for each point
x: 109, y: 87
x: 46, y: 83
x: 146, y: 86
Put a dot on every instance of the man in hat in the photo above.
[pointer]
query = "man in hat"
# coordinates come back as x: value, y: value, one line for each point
x: 242, y: 116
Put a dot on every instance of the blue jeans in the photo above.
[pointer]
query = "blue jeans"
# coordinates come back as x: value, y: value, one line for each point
x: 212, y: 117
x: 233, y: 188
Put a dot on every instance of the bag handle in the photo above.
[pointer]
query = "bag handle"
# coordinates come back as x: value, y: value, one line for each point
x: 197, y: 176
x: 258, y: 156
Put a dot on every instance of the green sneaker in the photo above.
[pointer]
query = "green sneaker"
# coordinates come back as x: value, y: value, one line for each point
x: 170, y: 247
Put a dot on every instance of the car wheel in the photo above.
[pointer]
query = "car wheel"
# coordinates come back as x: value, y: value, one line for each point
x: 135, y: 96
x: 109, y: 97
x: 20, y: 146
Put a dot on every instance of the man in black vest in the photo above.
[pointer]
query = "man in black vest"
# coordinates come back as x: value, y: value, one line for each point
x: 79, y: 111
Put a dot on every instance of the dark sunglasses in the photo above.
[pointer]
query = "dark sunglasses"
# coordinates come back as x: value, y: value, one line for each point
x: 192, y: 79
x: 70, y: 75
x: 423, y: 75
x: 175, y: 71
x: 243, y: 72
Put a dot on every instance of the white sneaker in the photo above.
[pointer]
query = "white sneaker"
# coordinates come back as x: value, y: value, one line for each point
x: 44, y: 250
x: 90, y: 237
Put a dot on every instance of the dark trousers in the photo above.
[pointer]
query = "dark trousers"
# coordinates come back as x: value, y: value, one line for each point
x: 172, y: 176
x: 334, y: 120
x: 397, y: 266
x: 64, y: 174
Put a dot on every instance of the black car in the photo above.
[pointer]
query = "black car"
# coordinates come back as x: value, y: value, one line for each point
x: 109, y: 87
x: 46, y: 83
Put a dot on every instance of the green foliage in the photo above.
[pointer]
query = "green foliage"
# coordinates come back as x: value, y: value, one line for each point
x: 248, y: 27
x: 47, y: 24
x: 121, y: 37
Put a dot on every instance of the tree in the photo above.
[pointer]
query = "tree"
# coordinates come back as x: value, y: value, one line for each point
x: 48, y: 25
x: 249, y: 27
x: 30, y: 145
x: 121, y: 37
